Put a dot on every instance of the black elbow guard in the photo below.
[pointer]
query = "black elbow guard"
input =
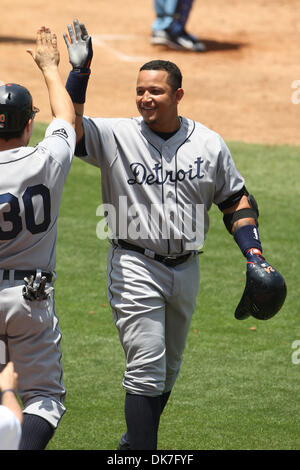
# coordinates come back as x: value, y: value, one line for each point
x: 249, y: 212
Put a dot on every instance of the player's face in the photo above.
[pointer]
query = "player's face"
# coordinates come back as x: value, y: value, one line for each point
x: 156, y: 101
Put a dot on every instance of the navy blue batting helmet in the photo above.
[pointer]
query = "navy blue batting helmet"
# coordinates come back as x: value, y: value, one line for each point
x: 264, y: 293
x: 15, y: 107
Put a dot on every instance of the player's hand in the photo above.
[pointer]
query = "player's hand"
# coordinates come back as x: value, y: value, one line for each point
x: 79, y: 45
x: 45, y: 53
x: 8, y: 377
x: 254, y: 255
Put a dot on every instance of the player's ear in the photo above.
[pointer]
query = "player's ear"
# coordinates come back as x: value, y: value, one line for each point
x: 29, y: 125
x: 179, y: 94
x: 28, y: 130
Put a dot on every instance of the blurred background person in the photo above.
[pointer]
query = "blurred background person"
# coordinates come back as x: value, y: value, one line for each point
x: 168, y: 28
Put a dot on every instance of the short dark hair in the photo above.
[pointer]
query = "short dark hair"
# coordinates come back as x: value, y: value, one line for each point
x: 174, y: 73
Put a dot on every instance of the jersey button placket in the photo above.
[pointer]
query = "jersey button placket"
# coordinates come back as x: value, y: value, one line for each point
x: 169, y: 189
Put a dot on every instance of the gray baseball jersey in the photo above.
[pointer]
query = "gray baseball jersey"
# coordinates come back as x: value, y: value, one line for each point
x: 149, y: 183
x: 31, y: 185
x: 153, y: 183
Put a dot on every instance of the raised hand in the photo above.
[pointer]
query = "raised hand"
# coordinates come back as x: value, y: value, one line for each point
x: 45, y: 53
x: 79, y: 45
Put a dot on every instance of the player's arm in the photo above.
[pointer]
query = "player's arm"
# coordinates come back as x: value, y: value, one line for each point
x: 241, y: 220
x: 265, y: 289
x: 241, y: 214
x: 79, y: 45
x: 46, y: 56
x: 79, y: 110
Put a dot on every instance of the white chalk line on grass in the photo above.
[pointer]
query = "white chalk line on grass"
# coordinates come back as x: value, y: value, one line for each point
x: 102, y: 40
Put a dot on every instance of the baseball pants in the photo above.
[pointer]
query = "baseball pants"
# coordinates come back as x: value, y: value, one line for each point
x: 152, y: 307
x: 165, y: 13
x: 32, y: 335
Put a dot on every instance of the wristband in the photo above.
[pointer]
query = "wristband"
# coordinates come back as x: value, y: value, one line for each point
x: 77, y: 84
x: 247, y: 237
x: 8, y: 390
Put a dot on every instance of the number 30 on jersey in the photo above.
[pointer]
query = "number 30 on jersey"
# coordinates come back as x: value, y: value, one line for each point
x: 10, y: 219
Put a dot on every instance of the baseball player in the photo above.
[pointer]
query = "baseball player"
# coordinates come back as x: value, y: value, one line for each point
x: 169, y: 27
x: 31, y: 185
x: 157, y: 170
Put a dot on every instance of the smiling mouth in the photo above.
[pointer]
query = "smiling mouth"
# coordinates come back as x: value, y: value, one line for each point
x: 147, y: 112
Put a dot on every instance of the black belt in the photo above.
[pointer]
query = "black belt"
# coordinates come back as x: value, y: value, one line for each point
x: 167, y: 260
x: 19, y: 275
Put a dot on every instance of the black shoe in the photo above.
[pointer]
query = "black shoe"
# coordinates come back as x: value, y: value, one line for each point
x: 124, y: 444
x: 183, y: 41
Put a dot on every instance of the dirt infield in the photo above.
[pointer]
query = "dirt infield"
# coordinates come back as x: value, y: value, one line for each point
x: 241, y: 87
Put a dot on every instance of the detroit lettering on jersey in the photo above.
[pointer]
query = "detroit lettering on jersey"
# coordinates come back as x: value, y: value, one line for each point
x: 142, y: 176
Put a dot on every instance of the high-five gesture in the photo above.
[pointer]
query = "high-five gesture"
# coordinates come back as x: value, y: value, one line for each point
x: 80, y: 50
x: 45, y: 53
x: 46, y: 56
x: 79, y: 45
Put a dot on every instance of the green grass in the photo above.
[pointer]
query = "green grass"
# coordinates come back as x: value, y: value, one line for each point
x: 238, y: 387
